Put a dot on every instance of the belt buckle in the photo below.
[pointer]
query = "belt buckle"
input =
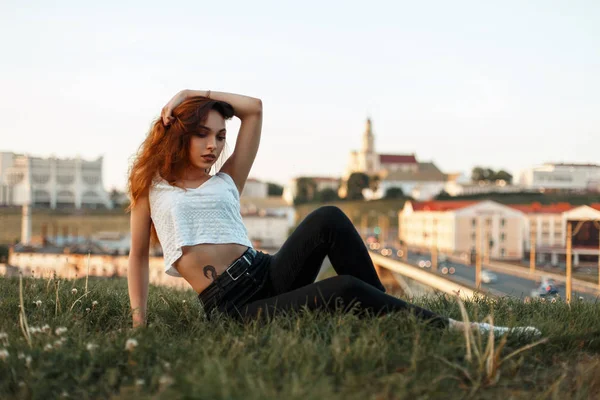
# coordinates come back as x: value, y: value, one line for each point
x: 234, y: 264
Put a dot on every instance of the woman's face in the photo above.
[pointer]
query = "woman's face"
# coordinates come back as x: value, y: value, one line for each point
x: 207, y: 143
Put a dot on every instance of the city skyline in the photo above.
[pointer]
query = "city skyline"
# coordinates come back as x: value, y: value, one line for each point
x: 507, y: 86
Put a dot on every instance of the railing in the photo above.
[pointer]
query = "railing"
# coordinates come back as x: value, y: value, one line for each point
x: 424, y: 277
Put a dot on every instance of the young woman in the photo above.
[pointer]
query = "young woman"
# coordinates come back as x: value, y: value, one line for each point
x: 196, y: 218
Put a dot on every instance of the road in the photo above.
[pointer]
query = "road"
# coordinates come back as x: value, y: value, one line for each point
x: 506, y: 284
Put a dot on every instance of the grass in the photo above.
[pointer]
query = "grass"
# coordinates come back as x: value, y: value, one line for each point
x: 301, y: 356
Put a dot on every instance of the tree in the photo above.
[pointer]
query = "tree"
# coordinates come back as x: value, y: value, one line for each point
x: 394, y: 193
x: 114, y: 196
x: 326, y: 195
x: 477, y: 175
x: 356, y: 183
x: 374, y: 182
x: 442, y: 195
x: 306, y: 188
x: 117, y: 198
x: 488, y: 175
x: 274, y: 189
x: 504, y: 176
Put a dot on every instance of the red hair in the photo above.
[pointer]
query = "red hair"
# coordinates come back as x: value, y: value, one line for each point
x: 165, y: 151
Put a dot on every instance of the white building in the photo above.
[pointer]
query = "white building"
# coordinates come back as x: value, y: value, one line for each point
x: 267, y: 219
x: 421, y: 180
x: 456, y: 227
x: 266, y: 230
x: 255, y: 188
x: 51, y: 182
x: 561, y: 177
x: 547, y: 228
x: 322, y: 183
x: 460, y: 185
x: 512, y: 230
x: 421, y: 184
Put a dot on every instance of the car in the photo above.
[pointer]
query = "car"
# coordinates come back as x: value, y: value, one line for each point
x: 446, y: 270
x: 488, y: 276
x: 546, y: 280
x: 544, y: 291
x: 386, y: 251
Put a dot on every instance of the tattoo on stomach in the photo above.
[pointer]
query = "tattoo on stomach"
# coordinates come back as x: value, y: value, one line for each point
x: 210, y: 270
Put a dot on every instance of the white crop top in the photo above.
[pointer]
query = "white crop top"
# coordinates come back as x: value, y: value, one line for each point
x: 207, y: 214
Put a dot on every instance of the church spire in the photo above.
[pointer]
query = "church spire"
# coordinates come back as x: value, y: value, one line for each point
x: 368, y: 138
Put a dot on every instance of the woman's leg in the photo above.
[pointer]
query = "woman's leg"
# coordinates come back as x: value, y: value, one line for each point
x: 326, y: 231
x: 342, y: 293
x: 331, y: 294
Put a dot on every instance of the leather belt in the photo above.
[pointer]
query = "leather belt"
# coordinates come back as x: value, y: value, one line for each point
x: 235, y: 270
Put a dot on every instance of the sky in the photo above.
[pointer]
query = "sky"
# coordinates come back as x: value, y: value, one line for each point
x: 507, y: 84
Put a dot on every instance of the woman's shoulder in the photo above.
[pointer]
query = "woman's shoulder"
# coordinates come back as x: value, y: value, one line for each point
x: 225, y: 176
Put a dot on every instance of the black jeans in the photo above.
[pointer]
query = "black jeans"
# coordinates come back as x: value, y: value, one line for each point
x: 285, y: 281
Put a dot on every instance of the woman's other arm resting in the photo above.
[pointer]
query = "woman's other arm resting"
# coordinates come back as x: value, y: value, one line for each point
x: 138, y: 268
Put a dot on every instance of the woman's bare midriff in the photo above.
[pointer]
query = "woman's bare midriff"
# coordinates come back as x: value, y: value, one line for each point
x: 191, y: 264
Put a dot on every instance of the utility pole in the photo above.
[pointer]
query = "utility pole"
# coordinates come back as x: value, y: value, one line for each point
x: 478, y: 254
x: 532, y: 245
x: 383, y: 225
x: 434, y: 249
x: 363, y: 224
x: 597, y: 225
x: 486, y: 249
x: 569, y: 243
x: 570, y: 233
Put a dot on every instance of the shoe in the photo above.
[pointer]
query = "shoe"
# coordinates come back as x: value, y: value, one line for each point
x: 484, y: 329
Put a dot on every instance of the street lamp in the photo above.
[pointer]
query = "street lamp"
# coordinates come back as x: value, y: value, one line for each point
x: 478, y: 254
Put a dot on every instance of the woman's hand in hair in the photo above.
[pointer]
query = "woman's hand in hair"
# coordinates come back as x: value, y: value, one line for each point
x: 165, y: 114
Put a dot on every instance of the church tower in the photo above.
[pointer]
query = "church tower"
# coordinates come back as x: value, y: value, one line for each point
x: 369, y: 158
x: 368, y: 139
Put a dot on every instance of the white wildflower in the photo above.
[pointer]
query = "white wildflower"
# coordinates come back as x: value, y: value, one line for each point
x: 60, y: 330
x: 91, y: 346
x: 28, y: 361
x: 45, y: 328
x: 38, y: 303
x: 183, y: 301
x: 553, y: 300
x: 21, y: 355
x: 140, y: 382
x: 21, y: 384
x: 34, y: 330
x: 580, y: 298
x: 48, y: 347
x: 165, y: 380
x: 74, y: 290
x: 58, y: 344
x: 87, y: 309
x: 3, y: 354
x: 94, y: 303
x: 131, y: 344
x: 3, y: 335
x: 167, y: 365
